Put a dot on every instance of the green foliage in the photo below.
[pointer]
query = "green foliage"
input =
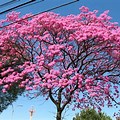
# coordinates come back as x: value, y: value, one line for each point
x: 9, y: 97
x: 11, y: 94
x: 91, y: 114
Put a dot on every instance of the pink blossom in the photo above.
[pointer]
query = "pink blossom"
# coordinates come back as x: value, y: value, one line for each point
x: 6, y: 86
x: 51, y: 64
x: 84, y: 9
x: 4, y: 90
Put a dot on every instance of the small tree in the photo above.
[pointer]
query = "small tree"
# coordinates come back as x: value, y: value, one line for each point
x: 91, y: 114
x: 71, y: 60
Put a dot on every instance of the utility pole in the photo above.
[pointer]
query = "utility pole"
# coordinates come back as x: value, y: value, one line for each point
x: 31, y: 113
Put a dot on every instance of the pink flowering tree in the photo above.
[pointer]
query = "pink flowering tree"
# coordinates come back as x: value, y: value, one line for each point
x: 70, y: 60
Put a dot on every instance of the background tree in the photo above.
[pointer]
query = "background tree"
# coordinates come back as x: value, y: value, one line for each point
x: 9, y: 59
x: 9, y: 97
x: 91, y: 114
x: 72, y: 60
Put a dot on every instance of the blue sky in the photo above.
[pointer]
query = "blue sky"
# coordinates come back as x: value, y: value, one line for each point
x: 45, y: 110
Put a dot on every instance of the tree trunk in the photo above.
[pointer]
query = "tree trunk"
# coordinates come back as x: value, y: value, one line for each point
x: 59, y: 114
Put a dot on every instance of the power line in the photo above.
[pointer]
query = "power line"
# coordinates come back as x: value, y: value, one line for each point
x: 29, y: 4
x: 62, y: 5
x: 25, y: 3
x: 8, y: 3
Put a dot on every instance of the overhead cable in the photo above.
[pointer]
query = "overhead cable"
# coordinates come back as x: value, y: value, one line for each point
x: 25, y: 3
x: 62, y: 5
x: 8, y: 3
x: 29, y: 4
